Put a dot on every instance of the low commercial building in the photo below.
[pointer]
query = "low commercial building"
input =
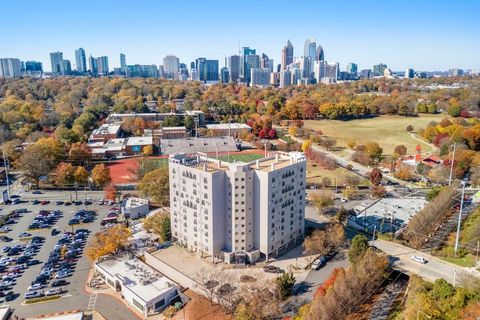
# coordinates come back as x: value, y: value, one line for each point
x: 105, y: 132
x: 198, y: 116
x: 165, y: 133
x: 229, y: 129
x: 142, y: 287
x: 135, y: 208
x: 120, y: 147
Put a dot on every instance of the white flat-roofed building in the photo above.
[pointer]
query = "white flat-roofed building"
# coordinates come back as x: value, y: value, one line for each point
x: 105, y: 132
x: 135, y: 208
x: 142, y: 287
x: 229, y: 129
x: 238, y: 211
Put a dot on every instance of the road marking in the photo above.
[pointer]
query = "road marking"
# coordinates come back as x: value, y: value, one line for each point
x: 92, y: 301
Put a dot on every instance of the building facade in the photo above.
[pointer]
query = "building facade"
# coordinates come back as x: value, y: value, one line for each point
x: 238, y: 211
x: 287, y: 55
x: 10, y: 68
x: 56, y: 60
x: 81, y: 60
x: 234, y: 68
x: 171, y: 66
x: 102, y: 66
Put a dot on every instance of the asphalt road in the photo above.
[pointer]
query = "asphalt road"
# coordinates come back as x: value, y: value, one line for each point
x: 401, y: 258
x: 76, y: 298
x: 316, y: 277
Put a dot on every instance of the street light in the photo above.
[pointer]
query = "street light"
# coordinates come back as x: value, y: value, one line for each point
x: 459, y: 218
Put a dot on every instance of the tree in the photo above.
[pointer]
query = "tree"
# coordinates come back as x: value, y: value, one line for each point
x: 327, y: 142
x: 376, y: 176
x: 109, y: 242
x: 358, y: 248
x: 471, y: 311
x: 349, y: 192
x: 101, y: 175
x: 351, y: 144
x: 404, y: 173
x: 52, y: 147
x: 109, y: 192
x: 64, y: 174
x: 293, y: 131
x: 307, y: 144
x: 378, y: 191
x: 148, y: 151
x: 80, y: 176
x: 284, y: 285
x: 154, y: 185
x: 324, y: 241
x: 80, y: 152
x: 373, y: 150
x: 34, y: 163
x: 159, y: 224
x: 142, y: 167
x: 322, y: 199
x: 433, y: 192
x: 401, y: 150
x: 409, y: 128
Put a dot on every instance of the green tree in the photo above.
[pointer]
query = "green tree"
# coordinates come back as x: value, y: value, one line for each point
x: 159, y: 224
x: 284, y: 284
x: 433, y: 192
x: 154, y: 185
x: 358, y: 248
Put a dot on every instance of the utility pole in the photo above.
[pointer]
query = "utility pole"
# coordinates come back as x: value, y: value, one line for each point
x: 459, y: 218
x: 451, y: 164
x: 6, y: 173
x: 373, y: 238
x: 476, y: 258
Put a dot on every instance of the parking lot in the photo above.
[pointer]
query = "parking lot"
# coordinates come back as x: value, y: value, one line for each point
x: 70, y: 258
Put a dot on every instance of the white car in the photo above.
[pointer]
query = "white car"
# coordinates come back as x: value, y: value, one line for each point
x: 419, y: 259
x: 53, y: 292
x: 36, y: 286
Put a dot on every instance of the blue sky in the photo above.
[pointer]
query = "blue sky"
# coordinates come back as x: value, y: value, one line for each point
x: 423, y: 34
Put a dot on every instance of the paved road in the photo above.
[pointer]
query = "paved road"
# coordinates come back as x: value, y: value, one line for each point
x: 76, y: 298
x: 316, y: 277
x: 434, y: 269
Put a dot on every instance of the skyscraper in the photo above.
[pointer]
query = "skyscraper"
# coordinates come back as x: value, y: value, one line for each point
x: 56, y: 60
x: 170, y: 66
x: 207, y: 69
x: 123, y: 63
x: 352, y: 69
x: 259, y: 77
x: 320, y: 56
x: 10, y: 68
x: 266, y: 62
x: 92, y: 65
x: 102, y: 65
x: 67, y: 68
x: 81, y: 60
x: 233, y: 64
x: 379, y: 69
x: 310, y: 49
x: 225, y: 75
x: 285, y: 78
x: 245, y: 66
x: 287, y: 55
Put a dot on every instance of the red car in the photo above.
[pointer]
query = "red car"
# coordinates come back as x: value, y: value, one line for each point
x: 44, y: 202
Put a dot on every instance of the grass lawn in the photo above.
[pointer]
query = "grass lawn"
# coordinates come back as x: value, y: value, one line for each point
x: 465, y: 261
x: 388, y: 131
x: 339, y: 174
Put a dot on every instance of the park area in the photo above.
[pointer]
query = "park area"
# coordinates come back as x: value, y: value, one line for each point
x: 388, y: 131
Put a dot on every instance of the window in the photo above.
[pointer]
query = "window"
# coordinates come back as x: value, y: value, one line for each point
x: 137, y: 304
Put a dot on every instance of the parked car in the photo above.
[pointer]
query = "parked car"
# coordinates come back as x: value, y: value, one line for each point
x: 35, y: 201
x: 273, y: 269
x: 24, y: 235
x: 22, y: 210
x: 58, y: 283
x: 32, y: 294
x: 53, y: 292
x: 320, y: 262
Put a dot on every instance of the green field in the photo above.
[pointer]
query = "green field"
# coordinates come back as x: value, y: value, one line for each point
x: 247, y: 157
x: 388, y: 131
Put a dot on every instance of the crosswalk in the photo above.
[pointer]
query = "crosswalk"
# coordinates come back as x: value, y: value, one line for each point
x: 92, y: 302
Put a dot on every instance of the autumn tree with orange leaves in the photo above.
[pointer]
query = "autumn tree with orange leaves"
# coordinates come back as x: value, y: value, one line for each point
x: 109, y: 242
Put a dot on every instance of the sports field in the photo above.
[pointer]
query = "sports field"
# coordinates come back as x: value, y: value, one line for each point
x: 388, y: 131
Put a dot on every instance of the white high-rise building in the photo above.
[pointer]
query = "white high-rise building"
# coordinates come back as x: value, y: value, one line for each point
x: 238, y: 211
x: 10, y: 68
x: 171, y: 65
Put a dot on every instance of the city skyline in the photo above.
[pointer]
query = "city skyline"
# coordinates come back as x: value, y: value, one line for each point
x: 423, y: 42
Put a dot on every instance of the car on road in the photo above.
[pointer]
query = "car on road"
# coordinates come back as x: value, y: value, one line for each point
x: 419, y: 259
x: 35, y: 201
x: 37, y: 192
x: 44, y: 202
x: 77, y: 203
x: 320, y: 262
x: 59, y: 202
